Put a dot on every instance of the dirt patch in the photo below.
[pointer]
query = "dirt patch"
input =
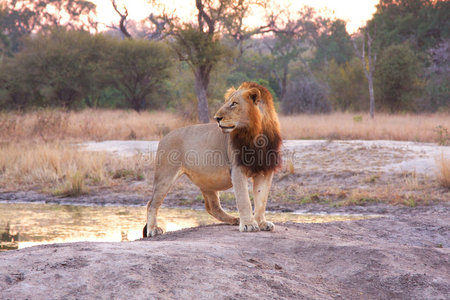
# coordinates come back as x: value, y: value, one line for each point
x: 401, y: 256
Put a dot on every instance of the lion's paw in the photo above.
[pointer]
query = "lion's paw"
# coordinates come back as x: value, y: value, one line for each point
x: 266, y: 226
x: 154, y: 232
x: 252, y: 227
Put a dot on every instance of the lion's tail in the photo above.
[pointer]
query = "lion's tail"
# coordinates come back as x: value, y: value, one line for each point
x: 144, y: 231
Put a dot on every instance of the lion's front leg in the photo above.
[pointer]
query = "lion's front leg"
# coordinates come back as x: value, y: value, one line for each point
x: 261, y: 189
x: 247, y: 221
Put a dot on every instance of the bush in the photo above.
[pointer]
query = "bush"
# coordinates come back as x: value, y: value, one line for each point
x: 58, y: 68
x: 348, y: 86
x: 139, y: 69
x: 305, y: 95
x: 397, y: 78
x: 437, y: 91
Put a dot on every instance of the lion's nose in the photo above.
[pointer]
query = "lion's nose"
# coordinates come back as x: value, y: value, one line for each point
x: 218, y: 119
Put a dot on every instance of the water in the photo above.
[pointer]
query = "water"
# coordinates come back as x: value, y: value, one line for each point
x: 25, y: 225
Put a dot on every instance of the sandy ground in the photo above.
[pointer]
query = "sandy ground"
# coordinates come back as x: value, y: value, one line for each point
x: 330, y: 171
x: 402, y: 255
x: 398, y: 256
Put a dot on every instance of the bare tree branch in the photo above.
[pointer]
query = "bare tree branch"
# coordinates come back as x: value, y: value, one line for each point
x: 123, y: 19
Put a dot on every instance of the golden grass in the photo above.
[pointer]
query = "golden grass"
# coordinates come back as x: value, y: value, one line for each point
x: 443, y: 174
x: 98, y: 125
x: 63, y: 169
x: 346, y: 126
x: 91, y: 124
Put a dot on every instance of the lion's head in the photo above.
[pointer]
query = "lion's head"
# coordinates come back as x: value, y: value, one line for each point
x: 250, y: 117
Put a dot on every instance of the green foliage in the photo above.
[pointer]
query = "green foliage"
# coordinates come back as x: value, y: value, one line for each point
x: 236, y: 78
x: 443, y: 136
x: 138, y: 70
x: 62, y: 67
x: 74, y: 69
x: 397, y: 78
x: 307, y: 59
x: 199, y: 49
x: 421, y: 22
x: 348, y: 86
x: 15, y: 90
x: 19, y: 19
x: 424, y: 25
x: 334, y: 43
x: 357, y: 119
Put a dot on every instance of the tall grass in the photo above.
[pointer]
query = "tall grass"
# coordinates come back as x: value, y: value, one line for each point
x: 91, y: 124
x: 63, y: 169
x: 346, y: 126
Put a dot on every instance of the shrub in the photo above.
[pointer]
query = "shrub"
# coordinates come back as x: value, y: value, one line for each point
x: 397, y: 78
x: 305, y: 95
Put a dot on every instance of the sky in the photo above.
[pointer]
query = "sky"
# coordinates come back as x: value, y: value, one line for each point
x: 354, y: 12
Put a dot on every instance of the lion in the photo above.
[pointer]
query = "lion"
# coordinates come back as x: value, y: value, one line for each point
x: 245, y: 143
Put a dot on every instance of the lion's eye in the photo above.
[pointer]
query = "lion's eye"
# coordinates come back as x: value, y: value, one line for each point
x: 233, y: 104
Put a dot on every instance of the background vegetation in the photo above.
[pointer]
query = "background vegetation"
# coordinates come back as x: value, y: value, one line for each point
x: 310, y: 63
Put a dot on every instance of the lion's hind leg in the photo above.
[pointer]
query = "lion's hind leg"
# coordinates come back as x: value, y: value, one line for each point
x: 213, y: 207
x: 164, y: 178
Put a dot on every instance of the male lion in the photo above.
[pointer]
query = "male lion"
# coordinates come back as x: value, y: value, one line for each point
x: 246, y: 144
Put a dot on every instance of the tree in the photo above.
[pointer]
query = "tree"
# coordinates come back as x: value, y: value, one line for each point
x: 397, y: 77
x: 438, y: 79
x: 333, y: 43
x: 198, y: 44
x: 153, y: 28
x: 368, y: 62
x: 19, y: 19
x: 305, y: 95
x: 61, y: 66
x: 138, y: 69
x: 293, y: 35
x: 240, y: 33
x: 348, y: 85
x: 15, y: 91
x: 423, y: 23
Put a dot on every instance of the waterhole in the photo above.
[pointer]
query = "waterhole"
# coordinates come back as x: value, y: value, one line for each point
x: 25, y: 225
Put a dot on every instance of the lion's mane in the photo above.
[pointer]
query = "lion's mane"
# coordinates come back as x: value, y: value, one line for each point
x: 257, y: 146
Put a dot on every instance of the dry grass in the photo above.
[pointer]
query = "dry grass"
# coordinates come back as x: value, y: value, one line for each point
x: 37, y: 148
x: 98, y: 125
x: 64, y: 170
x: 443, y: 174
x: 347, y: 126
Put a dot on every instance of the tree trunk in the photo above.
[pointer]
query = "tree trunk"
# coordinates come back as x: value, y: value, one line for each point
x: 284, y: 84
x: 136, y: 104
x: 372, y: 98
x: 368, y: 66
x: 202, y: 104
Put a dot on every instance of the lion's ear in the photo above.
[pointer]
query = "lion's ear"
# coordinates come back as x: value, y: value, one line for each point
x: 255, y: 95
x: 229, y: 92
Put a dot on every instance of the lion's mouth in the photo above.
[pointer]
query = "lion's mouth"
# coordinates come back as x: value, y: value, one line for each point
x: 227, y: 128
